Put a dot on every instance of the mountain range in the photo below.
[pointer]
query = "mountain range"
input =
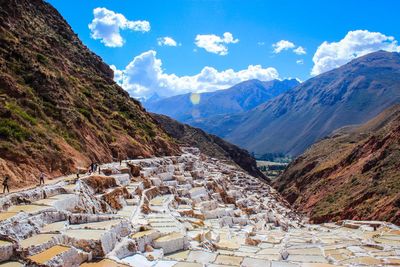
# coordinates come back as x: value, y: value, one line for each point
x: 352, y: 174
x: 294, y: 120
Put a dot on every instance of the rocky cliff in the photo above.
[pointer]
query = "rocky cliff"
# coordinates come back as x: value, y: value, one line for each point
x: 59, y: 106
x: 353, y: 174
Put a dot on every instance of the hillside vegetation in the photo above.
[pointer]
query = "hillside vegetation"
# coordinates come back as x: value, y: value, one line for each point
x: 353, y: 174
x: 59, y: 106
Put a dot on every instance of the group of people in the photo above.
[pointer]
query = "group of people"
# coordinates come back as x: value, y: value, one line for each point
x: 6, y: 180
x: 6, y: 187
x: 93, y: 168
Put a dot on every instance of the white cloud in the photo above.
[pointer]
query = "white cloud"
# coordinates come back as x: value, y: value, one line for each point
x: 260, y: 43
x: 355, y: 44
x: 118, y: 74
x: 144, y: 76
x: 215, y: 44
x: 166, y: 41
x: 282, y: 45
x: 106, y: 26
x: 300, y: 62
x: 300, y: 51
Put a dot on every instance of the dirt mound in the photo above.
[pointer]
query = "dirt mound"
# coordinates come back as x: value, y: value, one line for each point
x: 113, y: 198
x: 100, y: 183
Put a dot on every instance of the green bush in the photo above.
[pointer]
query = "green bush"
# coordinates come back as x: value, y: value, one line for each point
x: 42, y: 58
x: 15, y: 109
x: 85, y: 113
x: 87, y: 93
x: 62, y: 81
x: 10, y: 129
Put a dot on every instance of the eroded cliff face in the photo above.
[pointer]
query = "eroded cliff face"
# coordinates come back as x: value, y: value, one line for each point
x: 59, y: 106
x: 354, y: 174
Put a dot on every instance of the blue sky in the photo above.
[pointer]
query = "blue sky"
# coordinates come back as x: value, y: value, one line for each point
x: 254, y: 26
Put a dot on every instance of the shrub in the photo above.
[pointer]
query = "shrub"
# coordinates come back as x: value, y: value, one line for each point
x: 10, y: 129
x: 62, y: 81
x: 15, y: 109
x: 354, y: 181
x: 42, y: 58
x: 87, y: 93
x: 85, y: 113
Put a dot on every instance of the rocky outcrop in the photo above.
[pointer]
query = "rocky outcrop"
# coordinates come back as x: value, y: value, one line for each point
x: 352, y: 174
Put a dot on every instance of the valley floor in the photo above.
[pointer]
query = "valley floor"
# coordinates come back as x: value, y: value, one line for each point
x: 188, y: 210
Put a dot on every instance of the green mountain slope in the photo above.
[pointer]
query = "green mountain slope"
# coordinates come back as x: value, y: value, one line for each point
x: 59, y: 106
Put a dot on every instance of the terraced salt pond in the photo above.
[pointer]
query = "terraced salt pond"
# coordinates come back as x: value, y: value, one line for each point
x: 103, y: 225
x: 181, y: 211
x: 89, y: 234
x: 27, y: 209
x: 63, y: 201
x: 54, y: 227
x: 36, y: 240
x: 48, y: 254
x: 7, y: 215
x: 104, y: 263
x: 11, y: 264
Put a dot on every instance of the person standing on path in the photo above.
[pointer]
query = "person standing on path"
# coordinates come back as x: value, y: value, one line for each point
x: 41, y: 178
x: 5, y: 184
x: 91, y: 168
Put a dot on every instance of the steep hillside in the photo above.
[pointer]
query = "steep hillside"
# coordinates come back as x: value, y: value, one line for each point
x: 59, y: 106
x: 241, y: 97
x: 208, y: 144
x: 291, y: 122
x: 355, y: 173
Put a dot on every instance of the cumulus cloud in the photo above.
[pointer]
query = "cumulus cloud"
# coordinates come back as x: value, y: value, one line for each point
x: 166, y: 41
x: 300, y: 62
x: 106, y: 26
x: 355, y: 44
x: 300, y: 51
x: 215, y: 44
x: 144, y: 76
x: 282, y: 45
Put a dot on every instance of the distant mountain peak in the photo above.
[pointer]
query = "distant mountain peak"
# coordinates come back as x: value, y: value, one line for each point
x: 238, y: 98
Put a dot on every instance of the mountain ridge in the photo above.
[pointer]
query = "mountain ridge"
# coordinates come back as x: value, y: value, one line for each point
x: 209, y: 144
x: 238, y: 98
x: 60, y: 108
x: 353, y: 173
x: 294, y: 120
